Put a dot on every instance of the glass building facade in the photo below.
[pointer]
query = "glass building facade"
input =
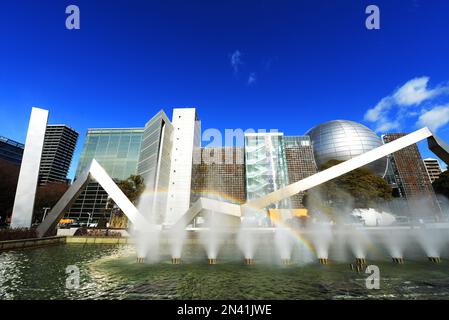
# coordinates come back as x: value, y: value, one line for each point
x: 154, y: 164
x: 300, y: 162
x: 117, y: 151
x: 266, y: 165
x: 408, y: 175
x: 59, y: 146
x: 11, y: 150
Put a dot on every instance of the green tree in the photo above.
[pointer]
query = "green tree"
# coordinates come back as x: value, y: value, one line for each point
x: 132, y: 187
x: 441, y: 185
x: 359, y: 188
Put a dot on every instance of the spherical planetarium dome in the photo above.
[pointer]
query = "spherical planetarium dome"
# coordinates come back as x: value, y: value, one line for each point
x: 343, y: 140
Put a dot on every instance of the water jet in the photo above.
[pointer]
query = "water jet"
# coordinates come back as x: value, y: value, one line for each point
x: 249, y: 262
x: 176, y: 260
x: 399, y: 260
x: 323, y: 261
x: 435, y: 259
x: 212, y: 261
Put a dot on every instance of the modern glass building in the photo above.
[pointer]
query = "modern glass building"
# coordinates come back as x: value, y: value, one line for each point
x: 300, y: 162
x: 11, y: 151
x: 408, y: 174
x: 266, y: 165
x: 154, y: 163
x: 223, y: 179
x: 117, y: 150
x: 57, y: 153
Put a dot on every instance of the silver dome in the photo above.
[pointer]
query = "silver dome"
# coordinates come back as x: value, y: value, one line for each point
x: 343, y: 140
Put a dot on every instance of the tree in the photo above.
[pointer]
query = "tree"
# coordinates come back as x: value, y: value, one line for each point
x: 132, y: 187
x: 359, y: 188
x: 441, y: 185
x: 47, y: 196
x: 9, y: 175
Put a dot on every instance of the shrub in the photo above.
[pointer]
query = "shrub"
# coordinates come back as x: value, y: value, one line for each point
x: 17, y: 234
x: 97, y: 233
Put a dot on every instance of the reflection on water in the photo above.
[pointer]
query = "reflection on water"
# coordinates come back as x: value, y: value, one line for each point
x: 110, y: 272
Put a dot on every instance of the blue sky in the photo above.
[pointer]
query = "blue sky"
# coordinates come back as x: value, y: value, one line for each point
x: 285, y: 65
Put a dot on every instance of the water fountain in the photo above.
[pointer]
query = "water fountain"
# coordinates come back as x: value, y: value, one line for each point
x: 214, y: 234
x: 248, y: 236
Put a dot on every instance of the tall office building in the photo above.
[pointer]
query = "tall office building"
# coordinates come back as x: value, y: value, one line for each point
x: 220, y: 175
x: 300, y: 162
x: 266, y: 165
x: 117, y: 151
x: 11, y: 151
x: 433, y: 168
x: 59, y: 146
x: 408, y: 171
x: 186, y: 138
x: 154, y: 163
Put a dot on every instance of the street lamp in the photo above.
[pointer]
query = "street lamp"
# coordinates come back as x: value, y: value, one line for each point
x: 90, y: 217
x: 45, y: 212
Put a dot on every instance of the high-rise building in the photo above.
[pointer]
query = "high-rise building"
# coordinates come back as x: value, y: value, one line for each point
x: 433, y: 168
x: 186, y: 138
x: 154, y: 163
x: 59, y: 146
x: 220, y: 175
x: 117, y: 151
x: 300, y: 162
x: 266, y: 165
x: 11, y: 151
x: 408, y: 171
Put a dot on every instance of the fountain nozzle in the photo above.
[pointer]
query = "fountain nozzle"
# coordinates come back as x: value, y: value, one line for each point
x: 323, y: 261
x: 212, y: 261
x: 176, y: 261
x: 140, y: 260
x: 360, y: 261
x: 435, y: 259
x: 399, y: 260
x: 249, y: 262
x: 286, y: 262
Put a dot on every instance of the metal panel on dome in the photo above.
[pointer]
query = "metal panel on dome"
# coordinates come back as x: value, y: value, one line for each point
x: 343, y: 140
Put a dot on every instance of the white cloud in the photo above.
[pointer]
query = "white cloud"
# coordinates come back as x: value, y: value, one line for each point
x: 434, y: 118
x: 391, y: 110
x: 252, y: 79
x: 236, y: 60
x: 415, y: 91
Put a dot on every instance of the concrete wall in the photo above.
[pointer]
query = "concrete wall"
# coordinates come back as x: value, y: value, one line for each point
x: 30, y: 243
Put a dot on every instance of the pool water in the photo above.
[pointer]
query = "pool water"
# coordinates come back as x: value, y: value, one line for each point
x: 111, y: 272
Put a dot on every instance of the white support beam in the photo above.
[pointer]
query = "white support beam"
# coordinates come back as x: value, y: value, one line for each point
x: 22, y: 214
x: 96, y: 172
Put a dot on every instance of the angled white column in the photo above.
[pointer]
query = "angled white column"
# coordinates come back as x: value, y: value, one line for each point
x: 229, y: 209
x: 22, y: 214
x: 96, y: 172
